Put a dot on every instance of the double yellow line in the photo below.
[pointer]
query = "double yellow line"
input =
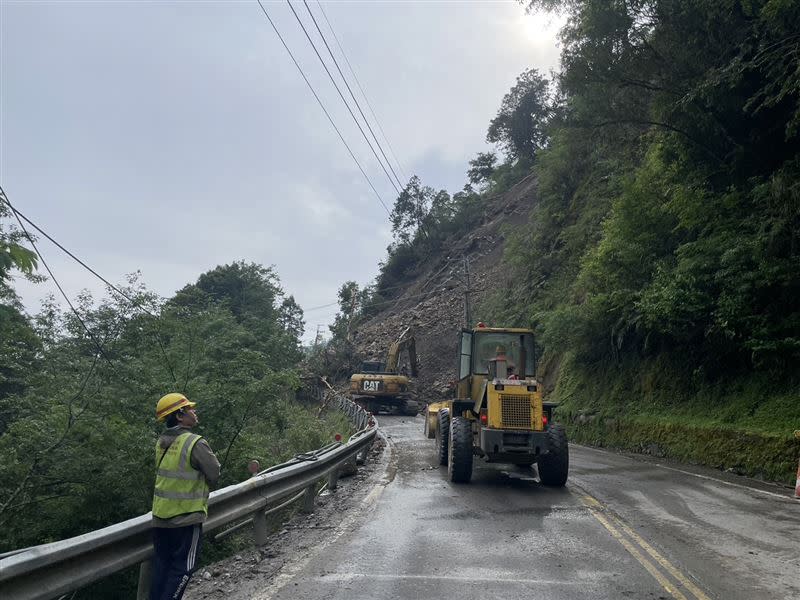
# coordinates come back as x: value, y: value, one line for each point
x: 634, y: 544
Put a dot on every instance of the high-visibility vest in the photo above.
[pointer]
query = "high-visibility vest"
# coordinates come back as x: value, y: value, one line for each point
x: 180, y: 488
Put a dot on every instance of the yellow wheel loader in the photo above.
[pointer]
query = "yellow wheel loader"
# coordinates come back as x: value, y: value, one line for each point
x: 497, y: 414
x: 381, y: 386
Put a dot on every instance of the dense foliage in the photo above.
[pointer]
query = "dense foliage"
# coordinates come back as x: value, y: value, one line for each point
x: 669, y: 206
x: 77, y: 427
x: 661, y: 263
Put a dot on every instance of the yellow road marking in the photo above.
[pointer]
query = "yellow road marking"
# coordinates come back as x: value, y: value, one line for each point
x: 662, y: 561
x: 595, y: 506
x: 591, y: 504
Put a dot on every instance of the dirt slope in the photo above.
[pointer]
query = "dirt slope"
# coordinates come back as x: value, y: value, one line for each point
x: 433, y: 303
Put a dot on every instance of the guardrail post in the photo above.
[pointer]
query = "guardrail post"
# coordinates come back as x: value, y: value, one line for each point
x: 352, y: 464
x: 309, y: 498
x: 333, y: 479
x: 145, y: 574
x: 361, y: 457
x: 260, y: 531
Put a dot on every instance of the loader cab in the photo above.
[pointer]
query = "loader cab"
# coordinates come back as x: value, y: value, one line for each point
x: 478, y: 351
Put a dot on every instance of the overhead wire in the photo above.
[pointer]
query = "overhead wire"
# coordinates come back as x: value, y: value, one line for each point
x: 448, y: 262
x: 390, y: 301
x: 341, y: 95
x: 352, y: 95
x: 363, y: 93
x: 386, y: 289
x: 135, y: 303
x: 321, y: 306
x: 78, y: 316
x: 305, y: 310
x: 322, y: 106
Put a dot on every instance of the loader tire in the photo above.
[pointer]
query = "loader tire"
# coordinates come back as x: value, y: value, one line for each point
x: 554, y: 466
x: 459, y: 456
x: 442, y: 435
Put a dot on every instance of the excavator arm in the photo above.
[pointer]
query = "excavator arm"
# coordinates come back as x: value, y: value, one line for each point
x: 403, y: 341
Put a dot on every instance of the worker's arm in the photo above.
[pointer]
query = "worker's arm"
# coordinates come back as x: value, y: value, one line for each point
x: 204, y: 460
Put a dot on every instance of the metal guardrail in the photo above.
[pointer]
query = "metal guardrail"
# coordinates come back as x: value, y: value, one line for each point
x: 50, y: 570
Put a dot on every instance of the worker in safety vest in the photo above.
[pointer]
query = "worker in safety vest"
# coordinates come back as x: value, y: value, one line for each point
x: 185, y: 469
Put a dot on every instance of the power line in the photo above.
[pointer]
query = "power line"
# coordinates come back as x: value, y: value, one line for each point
x: 135, y: 303
x: 366, y: 287
x: 391, y: 301
x: 320, y: 306
x: 352, y: 95
x: 322, y: 106
x: 91, y: 335
x: 363, y: 93
x: 80, y: 262
x: 339, y: 91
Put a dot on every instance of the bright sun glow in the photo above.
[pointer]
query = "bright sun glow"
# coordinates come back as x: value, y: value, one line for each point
x: 540, y: 27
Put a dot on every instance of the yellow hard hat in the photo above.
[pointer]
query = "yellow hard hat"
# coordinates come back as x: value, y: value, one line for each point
x: 170, y: 403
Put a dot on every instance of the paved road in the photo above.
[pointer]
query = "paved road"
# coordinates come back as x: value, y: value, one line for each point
x: 622, y: 528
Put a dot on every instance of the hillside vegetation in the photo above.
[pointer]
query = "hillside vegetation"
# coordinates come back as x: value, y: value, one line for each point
x: 660, y: 264
x: 78, y: 392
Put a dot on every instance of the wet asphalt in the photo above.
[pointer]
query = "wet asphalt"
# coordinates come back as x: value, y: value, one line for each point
x: 622, y: 528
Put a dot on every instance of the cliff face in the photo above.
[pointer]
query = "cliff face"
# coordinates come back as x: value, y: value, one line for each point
x: 432, y: 304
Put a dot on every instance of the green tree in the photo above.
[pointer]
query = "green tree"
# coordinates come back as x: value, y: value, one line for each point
x: 410, y: 211
x: 668, y: 216
x: 254, y: 296
x: 76, y: 438
x: 13, y: 255
x: 481, y: 168
x: 291, y: 317
x: 520, y: 127
x: 19, y: 344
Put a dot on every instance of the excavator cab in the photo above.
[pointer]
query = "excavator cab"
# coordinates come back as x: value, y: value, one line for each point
x: 372, y: 366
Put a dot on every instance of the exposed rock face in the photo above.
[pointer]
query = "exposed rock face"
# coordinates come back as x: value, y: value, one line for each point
x: 433, y: 303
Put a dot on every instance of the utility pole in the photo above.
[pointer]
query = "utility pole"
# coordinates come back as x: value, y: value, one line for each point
x: 467, y: 316
x: 318, y: 338
x: 352, y: 311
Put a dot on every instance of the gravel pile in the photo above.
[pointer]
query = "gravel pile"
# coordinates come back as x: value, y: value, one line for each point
x: 433, y: 303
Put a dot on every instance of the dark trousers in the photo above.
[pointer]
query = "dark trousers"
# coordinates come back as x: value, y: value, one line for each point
x: 175, y: 557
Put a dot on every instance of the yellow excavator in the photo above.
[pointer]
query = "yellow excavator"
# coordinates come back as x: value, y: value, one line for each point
x: 380, y: 386
x: 497, y: 413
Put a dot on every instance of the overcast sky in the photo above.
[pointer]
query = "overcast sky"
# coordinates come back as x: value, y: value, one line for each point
x: 172, y: 137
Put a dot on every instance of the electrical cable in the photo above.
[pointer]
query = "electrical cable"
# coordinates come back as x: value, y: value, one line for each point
x: 339, y: 91
x: 352, y: 95
x: 134, y: 302
x: 393, y: 287
x: 363, y: 93
x: 320, y: 306
x: 386, y: 289
x: 322, y: 106
x: 393, y: 300
x: 91, y: 335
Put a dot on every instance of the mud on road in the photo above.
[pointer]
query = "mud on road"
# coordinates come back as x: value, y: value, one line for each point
x: 249, y: 572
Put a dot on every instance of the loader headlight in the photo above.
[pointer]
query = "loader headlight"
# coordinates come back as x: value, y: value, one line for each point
x: 532, y: 388
x: 499, y: 387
